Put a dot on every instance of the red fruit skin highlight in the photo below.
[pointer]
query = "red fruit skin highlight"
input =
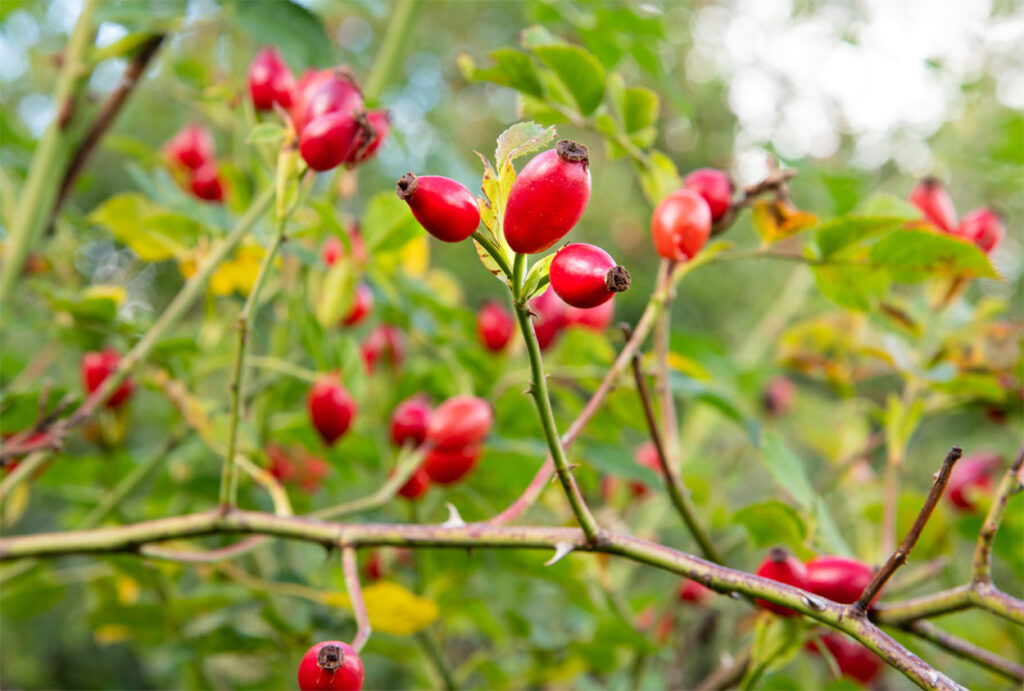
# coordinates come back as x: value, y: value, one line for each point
x: 984, y: 227
x: 331, y: 409
x: 336, y: 669
x: 362, y: 304
x: 585, y: 276
x: 206, y: 183
x: 96, y: 367
x: 448, y: 466
x: 327, y: 140
x: 931, y: 197
x: 334, y: 95
x: 459, y: 422
x: 409, y: 421
x: 783, y: 567
x: 270, y: 80
x: 445, y: 208
x: 191, y: 147
x: 839, y: 579
x: 548, y: 198
x: 714, y: 186
x: 494, y: 326
x: 681, y: 225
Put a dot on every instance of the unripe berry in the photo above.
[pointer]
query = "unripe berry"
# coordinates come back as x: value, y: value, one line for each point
x: 362, y: 303
x: 839, y: 579
x: 932, y: 199
x: 549, y: 319
x: 548, y: 198
x: 207, y: 184
x: 854, y: 660
x: 714, y: 186
x: 270, y: 80
x: 447, y: 466
x: 459, y: 422
x: 416, y: 486
x: 494, y: 326
x: 783, y: 567
x: 681, y: 225
x: 596, y: 318
x: 971, y: 479
x: 191, y: 147
x: 446, y: 209
x: 384, y: 343
x: 327, y: 140
x: 376, y: 128
x: 96, y: 367
x: 327, y: 91
x: 331, y: 409
x: 331, y: 666
x: 694, y: 592
x: 586, y: 276
x: 984, y: 227
x: 409, y: 421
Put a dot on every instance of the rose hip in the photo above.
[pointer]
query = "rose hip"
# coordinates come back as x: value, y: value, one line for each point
x: 714, y: 186
x: 840, y: 579
x: 326, y: 91
x: 459, y: 422
x: 972, y: 478
x: 550, y: 317
x: 191, y: 147
x: 270, y: 80
x: 931, y: 198
x: 447, y: 466
x: 331, y: 666
x: 331, y: 409
x: 548, y: 198
x: 362, y: 304
x: 384, y: 343
x: 375, y: 129
x: 494, y: 326
x: 783, y: 567
x: 854, y: 660
x: 596, y: 318
x: 327, y: 140
x: 206, y: 183
x: 409, y: 421
x: 681, y: 225
x: 586, y: 276
x: 446, y: 209
x: 984, y: 227
x: 416, y: 486
x: 96, y: 367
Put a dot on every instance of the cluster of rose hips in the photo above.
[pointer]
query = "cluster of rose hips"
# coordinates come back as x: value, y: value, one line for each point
x: 682, y: 222
x: 983, y: 226
x: 297, y: 467
x: 450, y: 436
x: 191, y: 151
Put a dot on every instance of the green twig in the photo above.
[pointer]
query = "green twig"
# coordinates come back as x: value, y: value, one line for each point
x: 392, y: 47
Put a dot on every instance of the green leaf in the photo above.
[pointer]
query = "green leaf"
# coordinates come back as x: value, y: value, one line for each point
x: 521, y: 139
x: 538, y: 276
x: 777, y: 640
x: 294, y: 30
x: 537, y: 35
x: 847, y: 230
x: 660, y: 178
x: 127, y: 217
x: 579, y: 71
x: 511, y: 68
x: 915, y: 254
x: 335, y: 295
x: 388, y: 223
x: 771, y: 523
x: 639, y: 109
x: 855, y: 287
x: 787, y: 469
x: 265, y: 132
x: 889, y: 205
x: 827, y: 535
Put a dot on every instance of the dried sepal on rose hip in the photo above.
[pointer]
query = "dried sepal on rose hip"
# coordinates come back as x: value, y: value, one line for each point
x: 375, y: 125
x: 548, y: 198
x: 445, y: 208
x: 681, y: 225
x: 331, y: 409
x: 270, y: 80
x: 586, y: 276
x: 783, y: 567
x: 331, y: 666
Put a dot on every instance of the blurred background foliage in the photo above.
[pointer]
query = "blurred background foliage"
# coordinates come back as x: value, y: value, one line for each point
x: 860, y: 98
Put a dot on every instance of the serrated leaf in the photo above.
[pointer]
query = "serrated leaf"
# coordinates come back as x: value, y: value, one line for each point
x: 660, y: 178
x: 841, y: 232
x: 511, y: 68
x: 639, y: 109
x: 578, y: 70
x: 889, y: 205
x: 521, y: 139
x: 914, y: 254
x: 266, y: 132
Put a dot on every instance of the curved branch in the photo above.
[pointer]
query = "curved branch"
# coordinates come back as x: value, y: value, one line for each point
x: 985, y: 596
x: 967, y: 650
x: 355, y: 595
x: 1011, y: 484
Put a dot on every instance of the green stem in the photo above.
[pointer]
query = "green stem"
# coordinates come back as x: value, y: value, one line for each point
x: 391, y: 48
x: 493, y: 250
x: 518, y: 271
x: 1008, y: 486
x: 129, y: 484
x: 539, y: 390
x: 25, y: 468
x: 229, y: 476
x: 48, y: 162
x: 436, y: 659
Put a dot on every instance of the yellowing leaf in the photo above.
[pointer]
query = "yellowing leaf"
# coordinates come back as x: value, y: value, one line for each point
x: 445, y: 286
x: 777, y: 219
x: 688, y: 366
x: 392, y: 608
x: 127, y: 590
x: 16, y: 504
x: 414, y: 256
x: 115, y: 294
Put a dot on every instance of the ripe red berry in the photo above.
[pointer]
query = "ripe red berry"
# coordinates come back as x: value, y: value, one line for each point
x: 331, y: 666
x: 596, y: 318
x: 839, y: 579
x: 681, y: 225
x: 854, y: 660
x: 280, y: 464
x: 460, y: 421
x: 327, y: 140
x: 332, y: 250
x: 331, y: 409
x: 417, y: 484
x: 783, y: 567
x: 207, y: 184
x: 548, y: 198
x: 447, y: 466
x: 778, y: 396
x: 270, y: 80
x: 932, y: 199
x: 586, y: 276
x: 96, y: 367
x: 446, y: 209
x: 714, y: 186
x: 376, y: 128
x: 971, y: 479
x: 984, y: 227
x: 646, y: 455
x: 384, y: 343
x: 373, y: 569
x: 327, y: 91
x: 550, y: 317
x: 312, y: 473
x: 362, y: 303
x: 409, y: 421
x: 692, y: 591
x: 494, y: 326
x: 191, y: 147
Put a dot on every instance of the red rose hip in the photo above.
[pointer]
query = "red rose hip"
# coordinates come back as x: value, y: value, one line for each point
x: 327, y: 91
x: 416, y: 486
x: 96, y: 367
x: 854, y: 660
x: 375, y: 129
x: 191, y: 147
x: 331, y: 409
x: 270, y: 80
x: 681, y: 225
x: 783, y: 567
x: 548, y: 198
x: 409, y: 421
x: 932, y: 199
x: 550, y: 317
x: 972, y: 478
x: 586, y: 276
x: 984, y: 227
x: 446, y: 209
x: 714, y: 186
x: 362, y: 304
x: 840, y: 579
x: 384, y: 343
x: 206, y: 183
x: 459, y: 422
x: 694, y: 592
x: 596, y: 318
x: 327, y: 140
x: 448, y: 466
x: 494, y: 326
x: 331, y: 666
